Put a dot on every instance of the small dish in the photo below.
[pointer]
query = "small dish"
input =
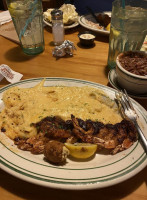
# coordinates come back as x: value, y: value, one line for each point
x: 86, y: 38
x: 112, y: 77
x: 128, y: 65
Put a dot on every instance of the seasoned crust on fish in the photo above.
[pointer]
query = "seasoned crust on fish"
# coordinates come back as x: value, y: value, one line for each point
x: 108, y: 136
x: 55, y: 128
x: 115, y: 138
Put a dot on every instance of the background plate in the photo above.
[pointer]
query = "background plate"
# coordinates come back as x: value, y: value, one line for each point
x: 101, y: 171
x: 82, y: 21
x: 65, y: 27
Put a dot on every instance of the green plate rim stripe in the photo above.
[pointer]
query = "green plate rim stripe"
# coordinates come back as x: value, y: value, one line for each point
x: 145, y: 156
x: 55, y: 79
x: 71, y: 168
x: 74, y: 183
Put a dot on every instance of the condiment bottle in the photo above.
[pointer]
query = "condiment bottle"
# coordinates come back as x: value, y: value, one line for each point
x: 57, y: 26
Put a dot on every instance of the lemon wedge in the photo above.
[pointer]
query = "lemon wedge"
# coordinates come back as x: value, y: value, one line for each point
x: 81, y: 150
x: 108, y: 27
x: 13, y: 5
x: 16, y: 11
x: 115, y: 32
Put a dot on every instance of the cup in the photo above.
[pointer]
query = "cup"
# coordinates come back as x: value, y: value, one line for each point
x: 27, y: 16
x: 128, y: 27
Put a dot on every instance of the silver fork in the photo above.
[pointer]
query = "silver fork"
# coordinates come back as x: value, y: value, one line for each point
x: 129, y: 111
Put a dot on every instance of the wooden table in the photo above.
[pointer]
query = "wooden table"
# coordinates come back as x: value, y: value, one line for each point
x: 89, y: 64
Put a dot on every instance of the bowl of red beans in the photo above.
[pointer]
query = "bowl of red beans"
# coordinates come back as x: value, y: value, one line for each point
x: 131, y: 70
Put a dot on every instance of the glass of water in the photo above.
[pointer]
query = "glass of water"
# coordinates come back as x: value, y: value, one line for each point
x: 27, y: 16
x: 128, y: 27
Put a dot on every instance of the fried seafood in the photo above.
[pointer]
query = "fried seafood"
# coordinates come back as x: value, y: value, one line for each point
x: 34, y: 144
x: 114, y: 138
x: 55, y: 128
x: 55, y: 152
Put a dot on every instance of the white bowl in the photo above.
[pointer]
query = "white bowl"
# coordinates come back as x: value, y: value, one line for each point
x: 131, y: 82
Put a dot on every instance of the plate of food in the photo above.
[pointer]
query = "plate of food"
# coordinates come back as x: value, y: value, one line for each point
x: 89, y: 22
x: 70, y: 16
x: 59, y: 133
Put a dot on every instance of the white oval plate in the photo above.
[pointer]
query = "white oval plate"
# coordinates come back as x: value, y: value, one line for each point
x: 83, y: 22
x: 101, y: 171
x: 65, y: 27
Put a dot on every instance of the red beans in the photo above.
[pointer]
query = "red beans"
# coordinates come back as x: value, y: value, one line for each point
x: 134, y: 62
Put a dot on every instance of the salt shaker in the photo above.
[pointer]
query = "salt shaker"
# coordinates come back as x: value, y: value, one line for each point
x: 57, y: 26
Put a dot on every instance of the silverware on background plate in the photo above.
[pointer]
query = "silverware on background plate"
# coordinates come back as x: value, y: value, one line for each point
x: 129, y: 112
x: 93, y: 14
x: 101, y: 18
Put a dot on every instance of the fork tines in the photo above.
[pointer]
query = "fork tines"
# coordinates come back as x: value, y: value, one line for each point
x: 129, y: 111
x: 128, y: 99
x: 124, y: 102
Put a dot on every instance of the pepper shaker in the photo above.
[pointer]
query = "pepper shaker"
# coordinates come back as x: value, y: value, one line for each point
x: 57, y: 26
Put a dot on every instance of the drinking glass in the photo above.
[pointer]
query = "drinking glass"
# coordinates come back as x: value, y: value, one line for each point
x: 128, y: 27
x: 27, y: 16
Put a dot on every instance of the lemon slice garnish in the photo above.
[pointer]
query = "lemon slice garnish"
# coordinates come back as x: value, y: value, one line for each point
x: 13, y: 5
x: 81, y: 150
x: 14, y: 11
x: 115, y: 32
x: 108, y: 27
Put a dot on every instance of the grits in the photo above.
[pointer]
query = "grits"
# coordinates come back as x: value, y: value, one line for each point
x: 24, y: 106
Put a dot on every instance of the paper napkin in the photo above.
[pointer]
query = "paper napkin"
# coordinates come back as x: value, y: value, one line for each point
x: 5, y: 17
